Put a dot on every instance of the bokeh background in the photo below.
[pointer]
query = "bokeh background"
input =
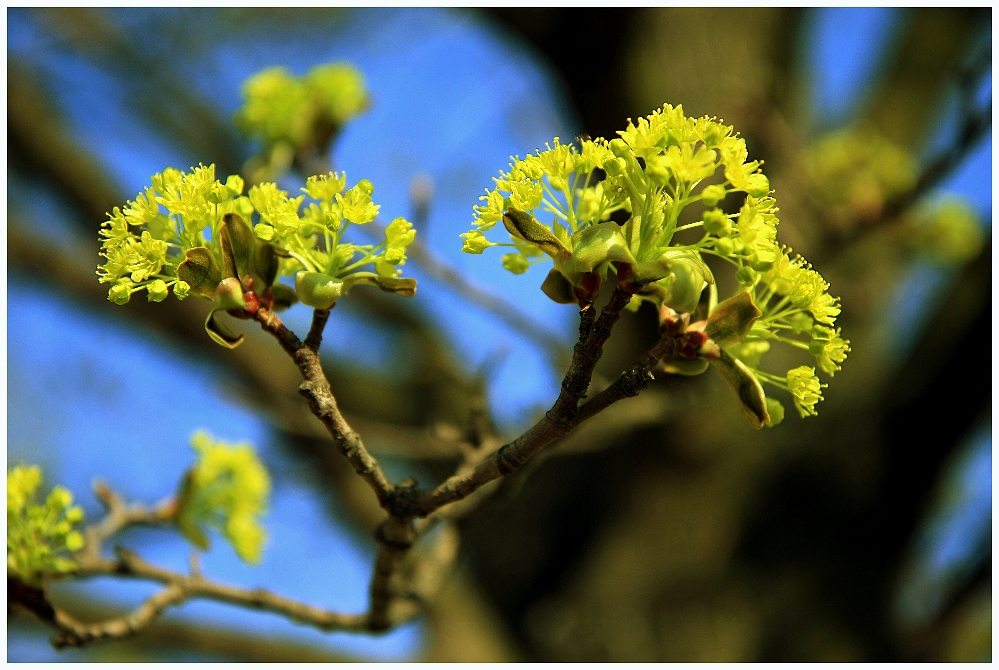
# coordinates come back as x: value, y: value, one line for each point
x: 668, y: 530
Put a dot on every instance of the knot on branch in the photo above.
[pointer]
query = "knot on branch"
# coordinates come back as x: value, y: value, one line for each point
x: 507, y: 460
x: 320, y: 400
x: 636, y: 382
x: 403, y: 503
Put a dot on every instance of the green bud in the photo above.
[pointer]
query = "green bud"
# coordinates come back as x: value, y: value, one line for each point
x: 801, y: 322
x: 615, y: 167
x: 732, y: 319
x: 716, y: 223
x: 229, y: 295
x: 394, y: 256
x: 264, y: 231
x: 157, y: 291
x: 120, y: 294
x: 181, y: 289
x: 711, y: 195
x: 475, y: 242
x: 516, y: 263
x: 746, y: 276
x: 318, y: 290
x: 619, y: 148
x: 235, y: 184
x: 685, y: 287
x: 366, y: 187
x: 725, y: 246
x: 776, y: 412
x: 757, y: 185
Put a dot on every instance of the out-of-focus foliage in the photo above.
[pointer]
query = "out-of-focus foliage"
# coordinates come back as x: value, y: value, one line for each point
x: 227, y: 490
x: 40, y: 538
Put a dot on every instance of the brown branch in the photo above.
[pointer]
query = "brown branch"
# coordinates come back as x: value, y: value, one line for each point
x: 315, y: 337
x: 558, y: 421
x: 316, y: 390
x: 630, y: 383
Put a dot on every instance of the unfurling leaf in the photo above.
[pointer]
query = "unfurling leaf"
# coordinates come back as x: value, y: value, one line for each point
x: 732, y: 319
x: 558, y: 288
x: 221, y: 333
x: 746, y: 387
x: 200, y: 271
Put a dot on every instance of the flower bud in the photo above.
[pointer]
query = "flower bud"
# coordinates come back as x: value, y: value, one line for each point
x: 716, y: 223
x: 157, y: 291
x: 181, y: 289
x: 318, y: 290
x: 746, y: 276
x: 776, y: 412
x: 711, y: 195
x: 119, y: 294
x: 366, y: 187
x: 475, y: 242
x: 614, y: 167
x: 229, y: 295
x: 516, y: 263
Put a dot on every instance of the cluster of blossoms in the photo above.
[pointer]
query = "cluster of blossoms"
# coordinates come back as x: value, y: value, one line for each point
x: 40, y: 538
x: 192, y: 234
x: 290, y: 114
x: 856, y: 171
x: 646, y: 180
x: 226, y: 490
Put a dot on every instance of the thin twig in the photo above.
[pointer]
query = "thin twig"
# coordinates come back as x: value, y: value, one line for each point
x: 558, y: 421
x: 316, y: 390
x: 315, y: 337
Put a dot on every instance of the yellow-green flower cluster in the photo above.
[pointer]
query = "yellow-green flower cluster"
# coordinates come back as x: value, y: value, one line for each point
x: 227, y: 489
x: 145, y: 243
x: 949, y: 232
x: 40, y: 538
x: 301, y: 111
x: 856, y: 170
x: 647, y: 177
x: 796, y: 310
x: 618, y: 206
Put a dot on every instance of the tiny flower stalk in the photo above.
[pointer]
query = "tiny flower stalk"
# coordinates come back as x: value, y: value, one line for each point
x: 620, y: 209
x: 190, y: 233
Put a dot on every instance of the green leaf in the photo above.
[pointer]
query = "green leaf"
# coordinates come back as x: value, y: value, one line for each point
x: 599, y: 244
x: 219, y: 332
x: 524, y: 226
x: 284, y: 296
x: 405, y: 286
x: 264, y: 263
x: 732, y: 319
x: 747, y: 388
x: 200, y: 271
x: 679, y: 365
x: 237, y: 245
x: 558, y: 288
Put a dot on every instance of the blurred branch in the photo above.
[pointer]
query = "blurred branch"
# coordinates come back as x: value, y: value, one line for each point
x: 512, y: 316
x: 165, y: 636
